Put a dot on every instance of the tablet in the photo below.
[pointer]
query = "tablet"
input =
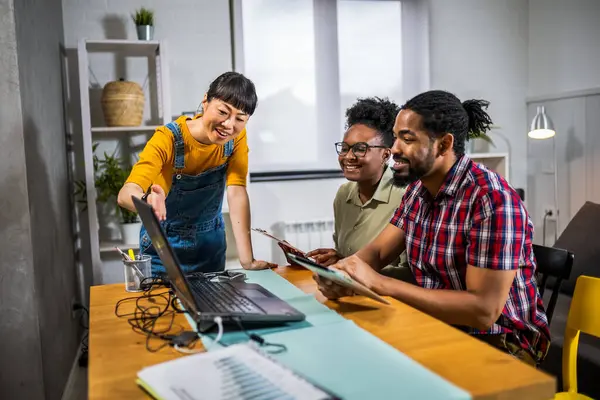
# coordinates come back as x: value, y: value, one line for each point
x: 337, y: 277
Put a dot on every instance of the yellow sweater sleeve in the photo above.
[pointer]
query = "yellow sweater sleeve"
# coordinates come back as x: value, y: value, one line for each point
x: 237, y: 169
x: 156, y: 155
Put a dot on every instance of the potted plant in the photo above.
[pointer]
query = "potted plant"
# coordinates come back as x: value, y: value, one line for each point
x: 472, y: 136
x: 110, y: 175
x: 144, y: 22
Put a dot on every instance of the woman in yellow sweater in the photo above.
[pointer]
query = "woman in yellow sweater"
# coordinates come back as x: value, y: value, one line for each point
x: 183, y: 172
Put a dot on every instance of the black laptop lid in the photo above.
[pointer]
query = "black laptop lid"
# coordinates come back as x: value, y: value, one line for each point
x: 165, y: 252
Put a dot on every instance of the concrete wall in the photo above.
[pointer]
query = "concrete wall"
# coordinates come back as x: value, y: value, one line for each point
x: 19, y: 323
x: 39, y: 337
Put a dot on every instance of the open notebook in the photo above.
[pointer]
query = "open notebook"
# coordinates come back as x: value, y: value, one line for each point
x: 237, y: 372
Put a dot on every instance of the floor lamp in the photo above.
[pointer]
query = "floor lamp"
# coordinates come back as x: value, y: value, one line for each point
x: 543, y: 128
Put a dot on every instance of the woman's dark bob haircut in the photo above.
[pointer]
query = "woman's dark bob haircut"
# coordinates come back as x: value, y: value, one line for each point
x: 235, y: 89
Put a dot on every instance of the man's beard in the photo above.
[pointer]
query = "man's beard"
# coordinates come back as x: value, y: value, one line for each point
x: 415, y: 171
x: 401, y: 181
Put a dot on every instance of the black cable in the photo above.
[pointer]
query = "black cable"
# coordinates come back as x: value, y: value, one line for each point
x: 279, y: 347
x: 150, y: 283
x: 144, y: 317
x: 81, y: 317
x: 84, y: 324
x: 176, y: 307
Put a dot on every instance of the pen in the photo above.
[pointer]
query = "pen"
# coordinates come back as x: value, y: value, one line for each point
x: 128, y: 258
x: 123, y: 254
x: 132, y: 257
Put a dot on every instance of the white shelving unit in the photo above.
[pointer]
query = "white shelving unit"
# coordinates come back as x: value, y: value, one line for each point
x: 497, y: 162
x: 153, y: 49
x: 123, y: 129
x: 106, y: 247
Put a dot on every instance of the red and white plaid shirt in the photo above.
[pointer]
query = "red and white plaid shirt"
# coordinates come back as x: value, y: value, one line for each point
x: 476, y: 219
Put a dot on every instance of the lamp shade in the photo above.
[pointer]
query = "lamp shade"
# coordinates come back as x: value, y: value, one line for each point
x: 541, y: 126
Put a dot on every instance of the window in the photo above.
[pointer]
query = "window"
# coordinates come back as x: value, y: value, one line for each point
x: 279, y: 57
x: 310, y: 60
x: 370, y: 50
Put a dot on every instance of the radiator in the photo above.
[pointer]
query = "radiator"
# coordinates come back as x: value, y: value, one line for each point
x: 307, y: 235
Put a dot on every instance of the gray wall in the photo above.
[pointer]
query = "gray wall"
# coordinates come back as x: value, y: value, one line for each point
x: 478, y: 49
x: 563, y: 46
x: 564, y: 55
x: 577, y: 124
x: 37, y: 272
x: 18, y: 305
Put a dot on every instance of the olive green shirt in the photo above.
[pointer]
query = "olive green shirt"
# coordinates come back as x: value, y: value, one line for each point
x: 357, y: 224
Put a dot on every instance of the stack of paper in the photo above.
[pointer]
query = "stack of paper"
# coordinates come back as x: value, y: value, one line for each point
x: 236, y: 372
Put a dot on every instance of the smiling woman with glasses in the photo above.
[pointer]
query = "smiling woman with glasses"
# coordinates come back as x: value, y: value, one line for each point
x: 364, y: 206
x: 359, y: 149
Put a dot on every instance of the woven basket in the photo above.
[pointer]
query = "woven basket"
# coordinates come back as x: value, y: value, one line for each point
x: 123, y: 103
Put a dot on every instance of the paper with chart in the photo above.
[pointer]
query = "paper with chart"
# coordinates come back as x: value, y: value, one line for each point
x: 236, y: 372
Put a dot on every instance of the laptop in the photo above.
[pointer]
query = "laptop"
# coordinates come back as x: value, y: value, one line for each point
x: 204, y: 300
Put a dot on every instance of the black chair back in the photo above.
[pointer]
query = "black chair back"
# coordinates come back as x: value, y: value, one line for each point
x: 552, y: 263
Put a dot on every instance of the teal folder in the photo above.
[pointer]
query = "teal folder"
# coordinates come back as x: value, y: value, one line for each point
x: 275, y: 283
x: 338, y: 355
x: 354, y: 364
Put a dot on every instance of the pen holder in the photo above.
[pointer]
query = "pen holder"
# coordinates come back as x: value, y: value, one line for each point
x: 136, y: 271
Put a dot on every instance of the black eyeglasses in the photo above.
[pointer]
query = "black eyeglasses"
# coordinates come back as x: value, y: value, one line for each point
x: 359, y: 149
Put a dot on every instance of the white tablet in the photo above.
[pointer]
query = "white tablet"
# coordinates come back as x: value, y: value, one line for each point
x: 337, y: 277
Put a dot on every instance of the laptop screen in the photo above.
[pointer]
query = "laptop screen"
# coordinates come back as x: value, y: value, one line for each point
x: 165, y: 252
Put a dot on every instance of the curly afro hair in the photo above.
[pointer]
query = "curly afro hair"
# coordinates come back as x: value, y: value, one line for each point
x: 376, y: 113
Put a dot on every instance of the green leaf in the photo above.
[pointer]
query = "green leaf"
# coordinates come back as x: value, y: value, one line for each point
x: 143, y: 16
x: 110, y: 174
x: 480, y: 135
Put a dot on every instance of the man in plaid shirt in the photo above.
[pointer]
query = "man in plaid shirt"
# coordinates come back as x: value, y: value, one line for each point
x: 467, y: 234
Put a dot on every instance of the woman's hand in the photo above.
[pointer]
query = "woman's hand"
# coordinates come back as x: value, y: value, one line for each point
x: 259, y: 264
x: 325, y: 257
x: 157, y: 199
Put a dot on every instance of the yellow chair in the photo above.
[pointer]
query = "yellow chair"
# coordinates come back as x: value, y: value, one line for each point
x: 584, y: 316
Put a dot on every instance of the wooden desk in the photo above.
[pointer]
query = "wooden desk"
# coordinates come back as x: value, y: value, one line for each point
x: 116, y: 353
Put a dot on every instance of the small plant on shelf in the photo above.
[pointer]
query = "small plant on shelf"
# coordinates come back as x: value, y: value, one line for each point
x: 110, y: 174
x: 482, y: 134
x: 143, y: 17
x: 144, y: 22
x: 111, y: 178
x: 472, y: 136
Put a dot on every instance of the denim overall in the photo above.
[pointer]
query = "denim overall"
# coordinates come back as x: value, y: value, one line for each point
x: 194, y: 226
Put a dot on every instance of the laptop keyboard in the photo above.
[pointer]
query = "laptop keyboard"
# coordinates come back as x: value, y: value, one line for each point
x: 222, y: 297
